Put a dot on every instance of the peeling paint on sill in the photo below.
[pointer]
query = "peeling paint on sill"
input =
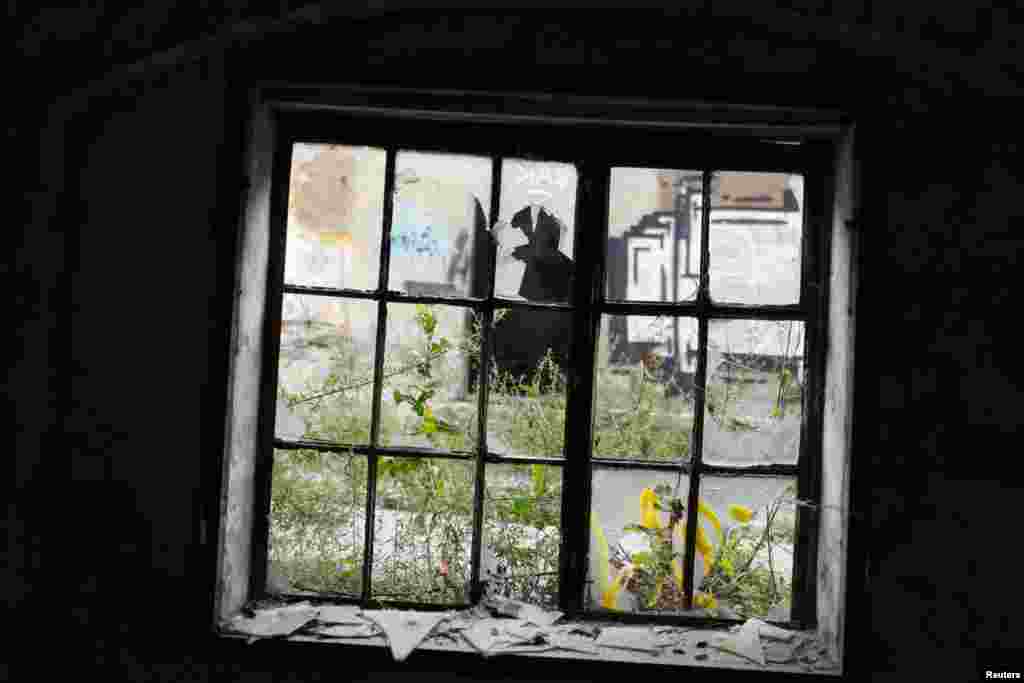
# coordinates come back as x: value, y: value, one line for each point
x: 695, y: 650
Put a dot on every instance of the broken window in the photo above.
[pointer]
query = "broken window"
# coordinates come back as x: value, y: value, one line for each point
x: 508, y: 360
x: 398, y: 413
x: 685, y: 523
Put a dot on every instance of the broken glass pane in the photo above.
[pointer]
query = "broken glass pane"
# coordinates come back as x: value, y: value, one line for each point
x: 335, y: 211
x: 522, y: 522
x: 423, y: 530
x: 649, y: 213
x: 526, y: 402
x: 535, y: 233
x: 317, y: 522
x: 643, y: 407
x: 752, y: 409
x: 439, y: 224
x: 751, y: 536
x: 755, y: 234
x: 637, y: 522
x: 427, y: 400
x: 325, y: 371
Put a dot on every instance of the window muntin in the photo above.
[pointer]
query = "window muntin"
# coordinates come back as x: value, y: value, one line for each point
x: 745, y: 379
x: 700, y: 307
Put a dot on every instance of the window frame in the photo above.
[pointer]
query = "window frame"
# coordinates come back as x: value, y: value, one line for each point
x: 296, y: 120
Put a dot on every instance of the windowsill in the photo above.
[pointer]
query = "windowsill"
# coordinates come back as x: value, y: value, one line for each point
x: 715, y: 659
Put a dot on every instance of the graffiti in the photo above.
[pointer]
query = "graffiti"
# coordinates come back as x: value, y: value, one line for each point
x: 543, y: 174
x: 413, y: 232
x: 420, y: 243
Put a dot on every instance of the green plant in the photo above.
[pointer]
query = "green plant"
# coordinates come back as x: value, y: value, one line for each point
x: 642, y: 422
x: 430, y: 501
x: 530, y: 417
x: 317, y: 521
x: 727, y: 575
x: 656, y: 575
x: 427, y: 384
x: 753, y: 589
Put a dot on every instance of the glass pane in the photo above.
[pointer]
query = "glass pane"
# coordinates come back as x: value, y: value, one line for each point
x: 335, y: 212
x: 635, y: 547
x: 751, y: 535
x: 754, y: 392
x: 755, y: 232
x: 440, y: 214
x: 317, y: 522
x: 526, y: 403
x: 535, y: 234
x: 653, y: 238
x: 522, y: 521
x: 427, y: 400
x: 424, y: 528
x: 644, y: 387
x: 325, y: 371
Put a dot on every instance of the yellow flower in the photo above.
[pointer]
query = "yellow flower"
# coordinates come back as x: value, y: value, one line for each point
x: 705, y: 549
x: 710, y: 514
x: 658, y: 585
x: 599, y: 554
x: 741, y: 513
x: 705, y: 600
x: 701, y: 563
x: 648, y: 513
x: 610, y: 597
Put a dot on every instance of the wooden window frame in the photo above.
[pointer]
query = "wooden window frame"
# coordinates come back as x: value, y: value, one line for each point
x: 761, y: 139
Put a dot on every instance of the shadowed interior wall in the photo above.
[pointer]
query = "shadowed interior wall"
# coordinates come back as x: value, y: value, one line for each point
x: 147, y: 199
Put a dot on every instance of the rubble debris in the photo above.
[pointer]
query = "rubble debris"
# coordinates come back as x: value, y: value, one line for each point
x: 669, y: 639
x: 364, y: 630
x: 524, y: 610
x: 639, y: 639
x: 568, y: 638
x: 524, y: 628
x: 773, y: 632
x: 778, y: 652
x: 502, y: 636
x: 405, y: 630
x: 497, y: 636
x: 451, y: 629
x: 273, y: 622
x: 589, y: 630
x: 340, y: 614
x: 746, y: 642
x: 478, y: 611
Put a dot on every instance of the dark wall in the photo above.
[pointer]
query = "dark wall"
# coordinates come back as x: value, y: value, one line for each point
x: 126, y: 259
